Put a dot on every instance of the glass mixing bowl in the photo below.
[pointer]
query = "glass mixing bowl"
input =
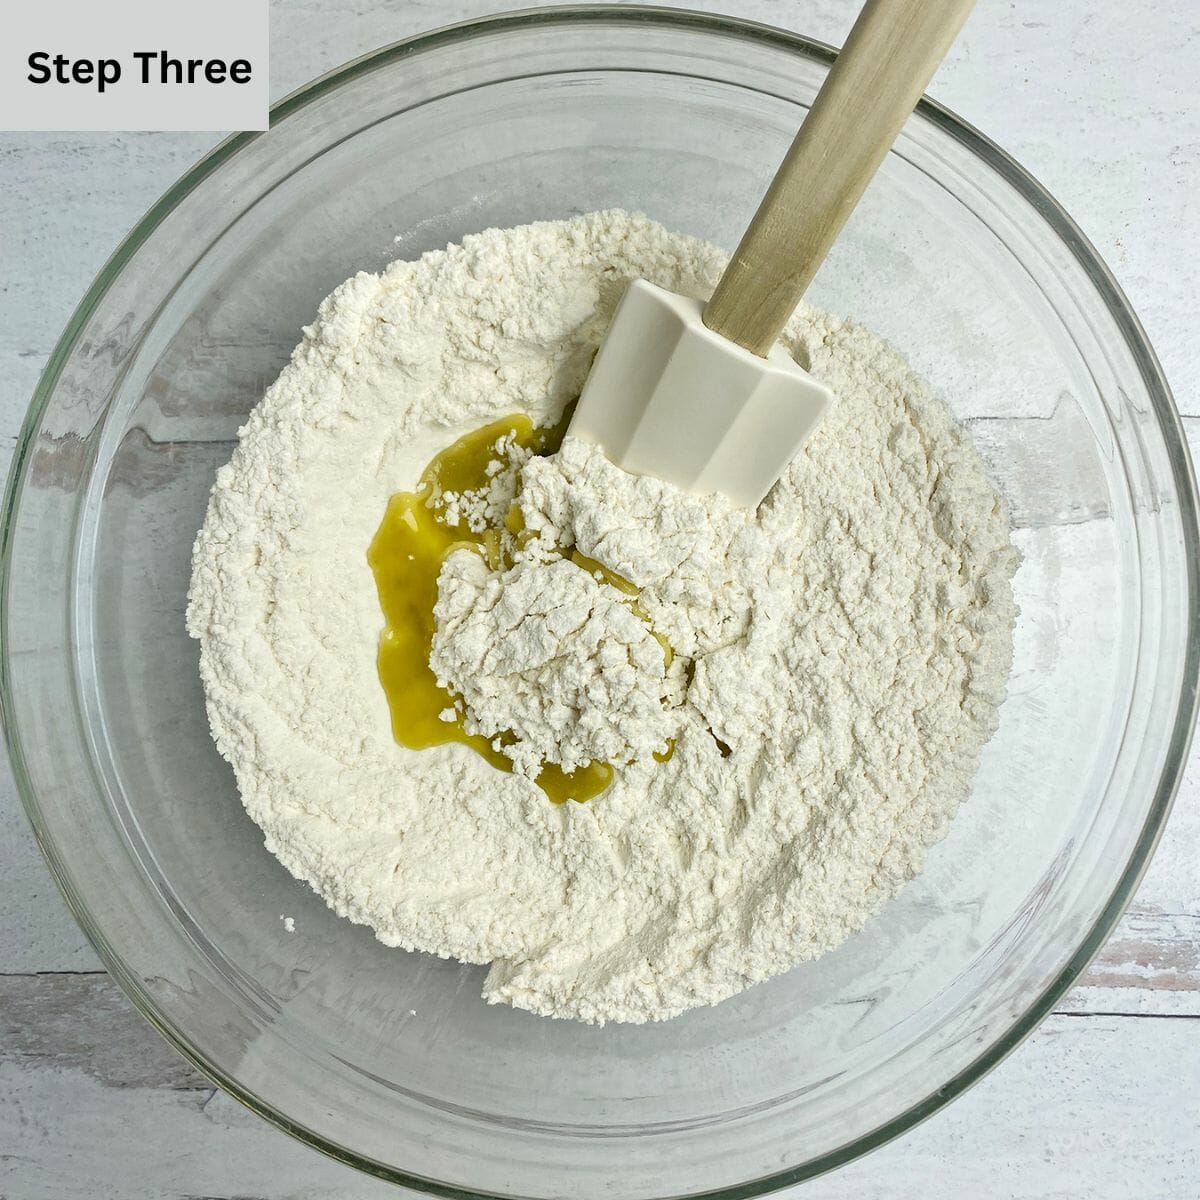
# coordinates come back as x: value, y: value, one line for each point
x: 390, y: 1061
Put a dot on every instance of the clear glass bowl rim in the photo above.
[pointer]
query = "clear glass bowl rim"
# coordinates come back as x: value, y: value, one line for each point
x: 942, y: 118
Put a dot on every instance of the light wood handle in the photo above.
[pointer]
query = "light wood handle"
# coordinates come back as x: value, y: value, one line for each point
x: 872, y: 87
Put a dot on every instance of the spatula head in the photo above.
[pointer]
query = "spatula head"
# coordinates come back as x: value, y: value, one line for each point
x: 669, y: 397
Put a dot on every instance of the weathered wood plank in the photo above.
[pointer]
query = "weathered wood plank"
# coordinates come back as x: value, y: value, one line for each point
x: 1089, y: 1108
x: 85, y: 1023
x: 37, y: 933
x: 1096, y: 1107
x: 1150, y: 966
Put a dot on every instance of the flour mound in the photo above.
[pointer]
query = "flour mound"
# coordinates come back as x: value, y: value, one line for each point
x: 552, y: 655
x: 694, y: 557
x: 847, y: 644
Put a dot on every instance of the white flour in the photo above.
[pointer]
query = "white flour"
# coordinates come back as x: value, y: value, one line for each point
x: 549, y: 653
x: 695, y: 558
x: 848, y: 645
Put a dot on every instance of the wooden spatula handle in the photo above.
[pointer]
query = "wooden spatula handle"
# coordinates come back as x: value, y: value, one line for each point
x: 889, y: 57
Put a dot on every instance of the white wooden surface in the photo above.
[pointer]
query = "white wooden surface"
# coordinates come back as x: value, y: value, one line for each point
x: 1098, y: 98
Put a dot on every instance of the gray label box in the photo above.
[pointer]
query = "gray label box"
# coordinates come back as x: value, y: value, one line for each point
x: 134, y: 65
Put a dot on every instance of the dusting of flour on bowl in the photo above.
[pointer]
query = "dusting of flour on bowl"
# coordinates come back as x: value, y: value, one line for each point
x: 836, y: 659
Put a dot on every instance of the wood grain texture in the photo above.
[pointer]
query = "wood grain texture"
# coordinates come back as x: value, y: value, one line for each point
x: 1102, y: 110
x: 84, y: 1023
x: 1150, y: 966
x: 91, y: 1106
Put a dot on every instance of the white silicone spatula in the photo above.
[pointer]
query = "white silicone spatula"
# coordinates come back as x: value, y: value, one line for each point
x: 700, y: 395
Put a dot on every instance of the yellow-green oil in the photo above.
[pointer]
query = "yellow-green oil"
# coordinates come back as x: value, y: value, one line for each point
x: 406, y: 556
